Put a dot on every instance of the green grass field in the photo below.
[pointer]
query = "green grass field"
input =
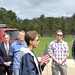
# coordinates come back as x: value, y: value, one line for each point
x: 46, y: 40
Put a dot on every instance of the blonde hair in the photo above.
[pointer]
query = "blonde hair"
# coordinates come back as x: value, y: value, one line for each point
x: 21, y: 31
x: 59, y: 31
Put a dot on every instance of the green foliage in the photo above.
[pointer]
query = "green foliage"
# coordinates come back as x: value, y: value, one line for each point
x: 46, y: 26
x: 44, y: 41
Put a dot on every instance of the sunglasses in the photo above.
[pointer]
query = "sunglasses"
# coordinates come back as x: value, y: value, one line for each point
x: 36, y: 40
x: 59, y: 35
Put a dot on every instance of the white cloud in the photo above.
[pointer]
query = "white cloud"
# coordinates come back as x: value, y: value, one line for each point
x: 35, y: 8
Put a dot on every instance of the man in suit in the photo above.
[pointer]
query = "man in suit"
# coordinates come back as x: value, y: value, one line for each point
x: 73, y: 50
x: 5, y: 61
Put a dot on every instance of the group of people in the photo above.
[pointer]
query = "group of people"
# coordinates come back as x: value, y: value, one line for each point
x: 19, y: 58
x: 9, y: 57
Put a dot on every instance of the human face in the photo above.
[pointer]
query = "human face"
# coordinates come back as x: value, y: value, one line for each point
x: 6, y: 38
x: 59, y: 36
x: 21, y: 36
x: 35, y: 42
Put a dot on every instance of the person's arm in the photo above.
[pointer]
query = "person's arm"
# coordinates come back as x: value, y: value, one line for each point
x: 59, y: 62
x: 42, y: 66
x: 50, y: 52
x: 11, y: 54
x: 2, y: 62
x: 66, y: 53
x: 64, y: 58
x: 45, y: 59
x: 53, y: 57
x: 73, y: 50
x: 28, y: 66
x: 1, y: 59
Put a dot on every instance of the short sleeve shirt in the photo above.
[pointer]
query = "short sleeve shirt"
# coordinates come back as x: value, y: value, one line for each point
x: 15, y: 52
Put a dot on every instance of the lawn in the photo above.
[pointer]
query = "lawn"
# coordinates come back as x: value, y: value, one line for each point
x: 44, y: 41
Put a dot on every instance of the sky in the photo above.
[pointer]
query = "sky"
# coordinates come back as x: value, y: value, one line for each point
x: 29, y: 9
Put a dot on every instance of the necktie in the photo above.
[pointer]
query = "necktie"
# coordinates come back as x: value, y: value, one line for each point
x: 6, y: 48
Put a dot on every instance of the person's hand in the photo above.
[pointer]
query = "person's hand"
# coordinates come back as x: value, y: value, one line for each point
x: 9, y: 63
x: 5, y: 63
x: 60, y: 62
x: 45, y: 59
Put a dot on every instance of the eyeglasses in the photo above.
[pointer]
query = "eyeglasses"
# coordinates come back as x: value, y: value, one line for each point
x: 59, y: 35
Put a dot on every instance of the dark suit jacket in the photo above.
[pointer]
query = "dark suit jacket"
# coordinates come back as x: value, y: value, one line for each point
x: 28, y: 66
x: 73, y: 49
x: 3, y: 56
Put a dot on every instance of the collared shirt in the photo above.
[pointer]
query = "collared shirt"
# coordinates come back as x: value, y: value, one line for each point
x: 7, y: 45
x: 58, y: 50
x: 15, y: 52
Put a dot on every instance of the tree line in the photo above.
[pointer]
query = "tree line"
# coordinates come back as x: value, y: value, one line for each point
x: 46, y: 26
